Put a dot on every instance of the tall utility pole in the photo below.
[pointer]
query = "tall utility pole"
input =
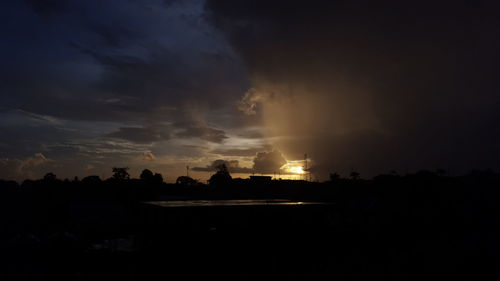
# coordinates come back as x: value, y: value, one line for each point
x: 305, y: 167
x: 187, y: 171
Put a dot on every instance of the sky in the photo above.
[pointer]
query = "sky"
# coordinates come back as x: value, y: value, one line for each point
x: 367, y: 86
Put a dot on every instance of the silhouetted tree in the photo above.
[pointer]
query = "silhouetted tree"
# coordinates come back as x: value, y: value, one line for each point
x: 184, y: 180
x: 354, y: 175
x: 91, y: 180
x: 221, y: 177
x: 222, y: 168
x: 157, y: 178
x: 334, y: 176
x: 441, y: 172
x: 8, y: 183
x: 425, y: 175
x: 146, y: 175
x: 49, y: 177
x: 120, y: 173
x: 27, y: 183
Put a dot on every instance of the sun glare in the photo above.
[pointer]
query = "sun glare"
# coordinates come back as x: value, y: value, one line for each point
x: 293, y: 167
x: 296, y: 170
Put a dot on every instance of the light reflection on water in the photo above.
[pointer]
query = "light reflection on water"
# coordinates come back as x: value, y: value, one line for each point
x: 215, y: 203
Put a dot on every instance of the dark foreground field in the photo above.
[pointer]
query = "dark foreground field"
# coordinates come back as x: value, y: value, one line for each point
x: 391, y: 228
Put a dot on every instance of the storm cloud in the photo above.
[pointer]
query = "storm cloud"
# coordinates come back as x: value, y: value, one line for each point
x: 371, y: 86
x: 83, y: 75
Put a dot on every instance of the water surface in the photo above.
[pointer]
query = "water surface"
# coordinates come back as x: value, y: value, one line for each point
x: 216, y: 203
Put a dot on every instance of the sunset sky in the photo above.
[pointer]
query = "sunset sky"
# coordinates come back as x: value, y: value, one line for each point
x: 371, y: 86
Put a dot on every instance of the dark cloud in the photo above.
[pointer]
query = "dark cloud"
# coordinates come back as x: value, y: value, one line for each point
x: 114, y: 36
x: 237, y: 152
x: 48, y: 8
x: 142, y: 135
x: 25, y: 133
x: 268, y: 162
x: 148, y: 156
x: 37, y: 118
x: 204, y: 133
x: 169, y: 3
x: 372, y: 86
x: 232, y: 165
x: 94, y: 51
x: 165, y: 77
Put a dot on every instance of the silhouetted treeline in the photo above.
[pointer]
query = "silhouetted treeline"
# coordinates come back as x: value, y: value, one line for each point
x: 392, y: 227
